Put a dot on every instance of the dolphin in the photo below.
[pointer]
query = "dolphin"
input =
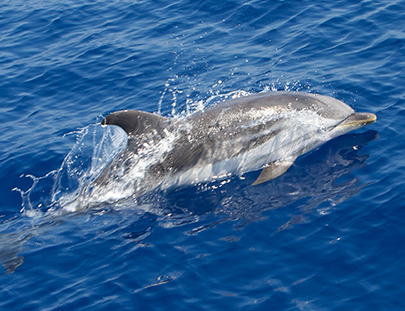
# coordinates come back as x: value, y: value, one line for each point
x: 266, y: 131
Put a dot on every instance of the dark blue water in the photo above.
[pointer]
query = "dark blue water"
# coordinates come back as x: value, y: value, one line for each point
x: 327, y: 235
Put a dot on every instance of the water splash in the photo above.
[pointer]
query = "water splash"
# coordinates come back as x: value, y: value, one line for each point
x: 95, y: 147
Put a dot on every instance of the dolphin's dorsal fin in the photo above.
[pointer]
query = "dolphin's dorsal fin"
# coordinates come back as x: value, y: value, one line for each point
x: 135, y: 122
x: 274, y: 170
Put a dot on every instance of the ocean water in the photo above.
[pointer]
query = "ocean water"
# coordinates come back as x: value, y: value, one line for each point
x: 327, y: 235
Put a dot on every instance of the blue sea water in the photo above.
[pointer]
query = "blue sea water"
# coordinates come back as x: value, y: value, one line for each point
x: 327, y: 235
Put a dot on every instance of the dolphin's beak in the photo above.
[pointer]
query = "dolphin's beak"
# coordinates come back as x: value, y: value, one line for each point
x: 357, y: 120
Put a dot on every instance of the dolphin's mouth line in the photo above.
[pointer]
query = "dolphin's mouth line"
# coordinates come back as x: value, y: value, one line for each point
x: 356, y: 120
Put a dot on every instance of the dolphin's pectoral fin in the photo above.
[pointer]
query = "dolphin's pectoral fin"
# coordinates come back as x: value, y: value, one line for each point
x: 274, y: 170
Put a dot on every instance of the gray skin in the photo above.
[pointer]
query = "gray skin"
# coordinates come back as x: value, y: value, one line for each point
x: 265, y: 130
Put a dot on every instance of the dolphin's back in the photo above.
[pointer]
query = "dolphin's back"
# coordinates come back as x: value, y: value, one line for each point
x: 230, y: 128
x: 325, y: 106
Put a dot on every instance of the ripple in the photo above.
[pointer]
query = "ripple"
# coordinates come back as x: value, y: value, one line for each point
x: 325, y: 235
